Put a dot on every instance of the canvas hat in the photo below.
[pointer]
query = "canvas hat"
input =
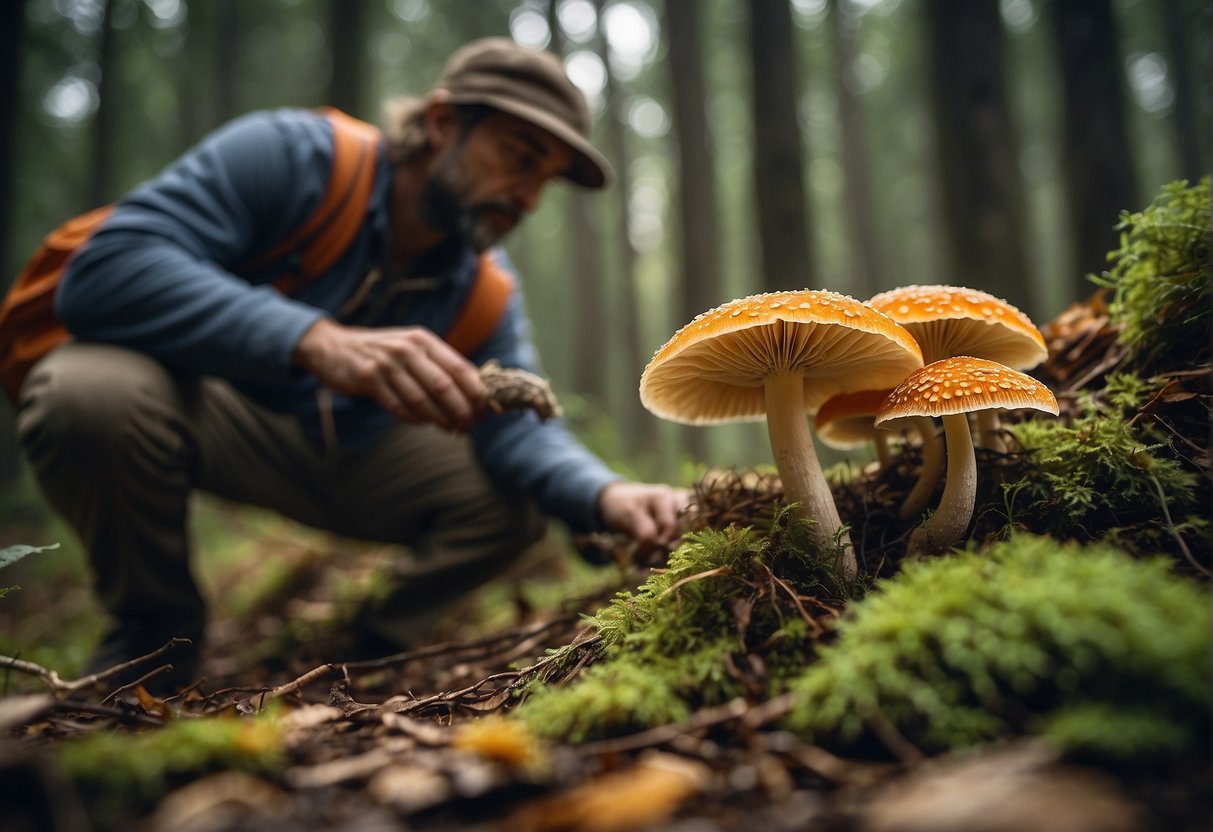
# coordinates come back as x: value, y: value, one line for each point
x: 532, y: 85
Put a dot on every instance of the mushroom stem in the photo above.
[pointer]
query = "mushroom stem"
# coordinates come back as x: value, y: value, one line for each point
x: 988, y: 426
x: 796, y: 460
x: 932, y: 469
x: 883, y: 455
x: 947, y: 525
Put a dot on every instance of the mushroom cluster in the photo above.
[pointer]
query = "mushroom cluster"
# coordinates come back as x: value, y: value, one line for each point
x: 951, y: 389
x: 947, y: 321
x: 780, y: 355
x: 787, y: 355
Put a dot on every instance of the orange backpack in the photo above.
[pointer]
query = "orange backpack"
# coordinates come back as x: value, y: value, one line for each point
x: 29, y: 328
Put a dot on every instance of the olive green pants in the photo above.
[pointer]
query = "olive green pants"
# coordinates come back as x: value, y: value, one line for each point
x: 117, y: 444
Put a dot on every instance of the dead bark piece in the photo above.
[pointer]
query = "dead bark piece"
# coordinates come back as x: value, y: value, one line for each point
x: 514, y: 389
x: 1008, y: 790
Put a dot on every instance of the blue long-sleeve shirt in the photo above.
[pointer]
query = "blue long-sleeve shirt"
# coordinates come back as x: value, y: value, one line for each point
x: 160, y: 276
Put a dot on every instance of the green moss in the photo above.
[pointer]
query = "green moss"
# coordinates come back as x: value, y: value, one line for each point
x: 1105, y: 474
x: 684, y: 639
x: 1160, y: 279
x: 137, y: 769
x: 970, y: 648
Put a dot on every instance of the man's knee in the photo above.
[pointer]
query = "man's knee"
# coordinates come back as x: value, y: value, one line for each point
x: 91, y: 397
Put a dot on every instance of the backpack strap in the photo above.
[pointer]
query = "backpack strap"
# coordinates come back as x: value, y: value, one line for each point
x: 330, y: 229
x: 482, y: 309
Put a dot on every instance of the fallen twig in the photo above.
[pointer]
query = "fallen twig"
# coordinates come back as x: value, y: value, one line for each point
x: 59, y: 685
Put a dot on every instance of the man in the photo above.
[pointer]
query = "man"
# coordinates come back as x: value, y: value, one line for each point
x: 338, y: 405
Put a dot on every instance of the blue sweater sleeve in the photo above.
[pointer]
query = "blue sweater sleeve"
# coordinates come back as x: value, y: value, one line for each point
x: 543, y: 458
x: 158, y: 275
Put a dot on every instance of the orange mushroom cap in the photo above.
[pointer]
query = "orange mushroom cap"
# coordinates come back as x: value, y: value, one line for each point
x: 964, y: 384
x: 953, y: 320
x: 846, y: 420
x: 712, y: 369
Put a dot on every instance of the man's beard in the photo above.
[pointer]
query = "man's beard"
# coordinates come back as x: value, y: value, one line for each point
x: 446, y: 209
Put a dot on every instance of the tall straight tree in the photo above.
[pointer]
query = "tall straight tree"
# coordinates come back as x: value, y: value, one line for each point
x: 638, y: 423
x: 1191, y: 107
x: 1097, y: 162
x: 857, y: 183
x: 101, y: 174
x: 347, y: 51
x: 12, y: 29
x: 783, y: 224
x: 696, y: 173
x: 228, y: 42
x: 978, y: 156
x: 589, y: 289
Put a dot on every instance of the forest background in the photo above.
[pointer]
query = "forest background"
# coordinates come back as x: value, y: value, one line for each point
x: 853, y: 145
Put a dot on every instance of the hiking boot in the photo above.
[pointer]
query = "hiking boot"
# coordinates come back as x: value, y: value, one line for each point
x: 133, y: 639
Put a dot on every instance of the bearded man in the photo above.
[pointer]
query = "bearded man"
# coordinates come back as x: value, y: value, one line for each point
x: 338, y: 403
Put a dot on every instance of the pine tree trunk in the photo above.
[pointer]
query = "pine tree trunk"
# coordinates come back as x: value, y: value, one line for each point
x: 861, y: 215
x: 1097, y: 162
x: 978, y: 154
x: 783, y: 224
x: 347, y: 51
x: 696, y: 178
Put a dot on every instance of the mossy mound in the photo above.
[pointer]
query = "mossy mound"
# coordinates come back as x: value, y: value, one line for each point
x: 734, y: 612
x: 1159, y: 280
x: 1102, y: 652
x: 1110, y: 474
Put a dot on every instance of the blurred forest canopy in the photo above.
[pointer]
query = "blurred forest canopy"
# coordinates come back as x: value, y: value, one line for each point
x: 854, y: 145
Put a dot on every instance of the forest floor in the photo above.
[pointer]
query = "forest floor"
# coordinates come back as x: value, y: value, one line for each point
x: 294, y: 727
x: 412, y: 741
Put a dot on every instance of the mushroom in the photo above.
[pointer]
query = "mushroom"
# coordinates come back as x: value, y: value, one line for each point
x: 845, y: 421
x: 954, y: 320
x: 780, y: 354
x: 951, y: 389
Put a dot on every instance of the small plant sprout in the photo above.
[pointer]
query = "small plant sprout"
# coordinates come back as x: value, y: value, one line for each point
x: 951, y: 389
x: 780, y: 355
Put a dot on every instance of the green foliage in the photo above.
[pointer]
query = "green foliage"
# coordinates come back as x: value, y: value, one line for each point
x: 610, y: 698
x: 11, y: 554
x: 1105, y: 732
x: 683, y: 639
x: 1160, y: 278
x: 140, y: 768
x: 1104, y: 473
x: 1030, y: 635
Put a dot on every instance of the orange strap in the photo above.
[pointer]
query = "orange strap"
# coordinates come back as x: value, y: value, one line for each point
x: 328, y: 232
x: 483, y: 308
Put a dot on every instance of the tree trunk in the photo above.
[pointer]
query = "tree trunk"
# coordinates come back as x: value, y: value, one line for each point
x: 978, y: 156
x: 860, y: 213
x: 101, y: 174
x: 589, y: 290
x: 783, y: 225
x: 1097, y: 162
x: 12, y: 28
x: 227, y: 68
x: 1191, y: 129
x: 696, y: 175
x: 638, y: 424
x: 347, y: 50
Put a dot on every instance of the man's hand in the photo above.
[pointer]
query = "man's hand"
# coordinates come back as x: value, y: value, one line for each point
x: 413, y: 373
x: 647, y: 513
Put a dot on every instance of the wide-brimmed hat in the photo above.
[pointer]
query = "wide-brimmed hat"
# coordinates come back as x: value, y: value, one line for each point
x: 532, y: 85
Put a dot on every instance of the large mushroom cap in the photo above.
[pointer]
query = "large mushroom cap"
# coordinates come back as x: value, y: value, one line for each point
x: 964, y: 384
x: 712, y: 370
x: 953, y: 320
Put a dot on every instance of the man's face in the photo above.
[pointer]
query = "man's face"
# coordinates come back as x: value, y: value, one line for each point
x: 489, y: 177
